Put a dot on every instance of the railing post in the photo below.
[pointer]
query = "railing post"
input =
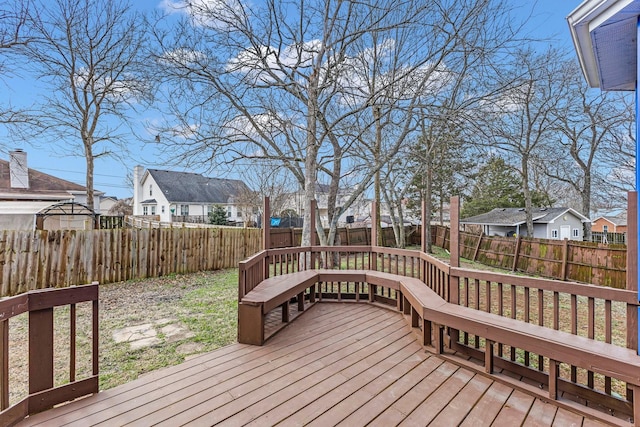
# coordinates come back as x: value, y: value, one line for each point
x: 41, y: 361
x: 632, y: 267
x: 373, y: 257
x: 454, y: 248
x: 266, y: 225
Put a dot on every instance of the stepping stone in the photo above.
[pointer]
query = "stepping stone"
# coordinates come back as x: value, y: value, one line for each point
x: 134, y: 333
x: 176, y: 332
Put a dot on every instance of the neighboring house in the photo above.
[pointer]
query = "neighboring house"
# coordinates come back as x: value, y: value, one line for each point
x: 610, y: 224
x: 106, y: 203
x: 188, y: 197
x: 548, y: 223
x: 26, y: 192
x: 361, y: 207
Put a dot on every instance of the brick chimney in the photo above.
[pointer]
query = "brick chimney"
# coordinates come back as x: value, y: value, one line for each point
x: 18, y: 170
x: 137, y: 189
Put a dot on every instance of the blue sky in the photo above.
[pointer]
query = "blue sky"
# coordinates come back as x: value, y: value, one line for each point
x: 548, y: 21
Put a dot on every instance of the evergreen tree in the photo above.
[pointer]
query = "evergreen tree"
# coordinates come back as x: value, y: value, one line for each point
x: 499, y: 186
x: 218, y: 216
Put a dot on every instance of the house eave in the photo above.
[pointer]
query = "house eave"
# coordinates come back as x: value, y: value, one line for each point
x: 603, y: 34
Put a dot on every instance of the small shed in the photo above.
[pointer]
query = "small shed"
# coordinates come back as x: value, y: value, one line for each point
x: 67, y: 216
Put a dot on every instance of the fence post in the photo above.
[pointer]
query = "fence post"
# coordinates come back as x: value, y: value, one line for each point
x: 565, y: 256
x: 477, y: 249
x: 516, y: 253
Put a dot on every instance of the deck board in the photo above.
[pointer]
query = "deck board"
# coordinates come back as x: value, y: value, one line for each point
x: 337, y: 364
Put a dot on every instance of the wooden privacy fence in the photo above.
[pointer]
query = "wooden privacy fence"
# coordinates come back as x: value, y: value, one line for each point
x: 41, y: 259
x: 570, y: 260
x: 290, y: 237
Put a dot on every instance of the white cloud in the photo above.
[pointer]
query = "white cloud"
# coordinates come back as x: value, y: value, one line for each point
x: 205, y: 13
x: 265, y: 63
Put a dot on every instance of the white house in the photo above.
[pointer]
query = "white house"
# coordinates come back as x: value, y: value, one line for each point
x: 188, y: 197
x: 26, y: 192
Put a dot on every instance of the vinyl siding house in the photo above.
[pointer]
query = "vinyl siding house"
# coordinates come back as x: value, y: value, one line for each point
x: 548, y: 223
x: 170, y: 196
x: 359, y: 208
x: 25, y: 192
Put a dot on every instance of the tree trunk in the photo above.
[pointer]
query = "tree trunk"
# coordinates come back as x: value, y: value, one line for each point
x: 527, y: 195
x: 427, y: 202
x: 586, y: 205
x: 88, y: 151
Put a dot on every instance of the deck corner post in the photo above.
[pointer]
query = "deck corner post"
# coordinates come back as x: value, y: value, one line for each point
x: 250, y: 324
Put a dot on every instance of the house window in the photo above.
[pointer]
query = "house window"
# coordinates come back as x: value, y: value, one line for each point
x: 605, y: 228
x: 151, y: 189
x: 184, y: 210
x: 162, y: 208
x: 229, y: 214
x: 239, y: 214
x: 576, y: 232
x: 554, y: 234
x: 153, y: 210
x: 145, y: 210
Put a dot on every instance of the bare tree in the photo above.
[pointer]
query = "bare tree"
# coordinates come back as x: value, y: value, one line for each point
x: 588, y: 121
x: 304, y: 83
x: 521, y: 120
x: 13, y: 37
x: 87, y: 52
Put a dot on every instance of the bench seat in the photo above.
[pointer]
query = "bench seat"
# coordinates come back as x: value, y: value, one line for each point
x: 558, y: 346
x: 279, y: 290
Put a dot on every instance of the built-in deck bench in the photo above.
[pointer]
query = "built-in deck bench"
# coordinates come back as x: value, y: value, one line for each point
x: 424, y: 305
x: 279, y: 291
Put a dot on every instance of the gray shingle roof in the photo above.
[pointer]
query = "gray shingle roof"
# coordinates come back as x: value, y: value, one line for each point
x: 618, y: 220
x: 185, y: 187
x: 515, y: 216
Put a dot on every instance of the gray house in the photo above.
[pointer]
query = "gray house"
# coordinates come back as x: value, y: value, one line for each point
x: 548, y: 223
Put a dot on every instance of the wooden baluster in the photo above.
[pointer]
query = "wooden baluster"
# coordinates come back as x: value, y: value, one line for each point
x: 574, y: 331
x: 500, y: 310
x: 513, y: 316
x: 541, y: 323
x: 607, y: 338
x: 72, y: 343
x: 41, y: 361
x: 591, y: 334
x: 527, y: 318
x: 4, y: 364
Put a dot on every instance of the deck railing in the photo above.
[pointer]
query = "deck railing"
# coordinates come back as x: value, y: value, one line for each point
x: 42, y: 393
x: 599, y: 313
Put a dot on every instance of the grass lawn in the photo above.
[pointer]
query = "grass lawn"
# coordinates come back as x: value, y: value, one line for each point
x: 205, y: 303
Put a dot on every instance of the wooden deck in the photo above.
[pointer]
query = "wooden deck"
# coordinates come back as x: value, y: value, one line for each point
x: 338, y: 364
